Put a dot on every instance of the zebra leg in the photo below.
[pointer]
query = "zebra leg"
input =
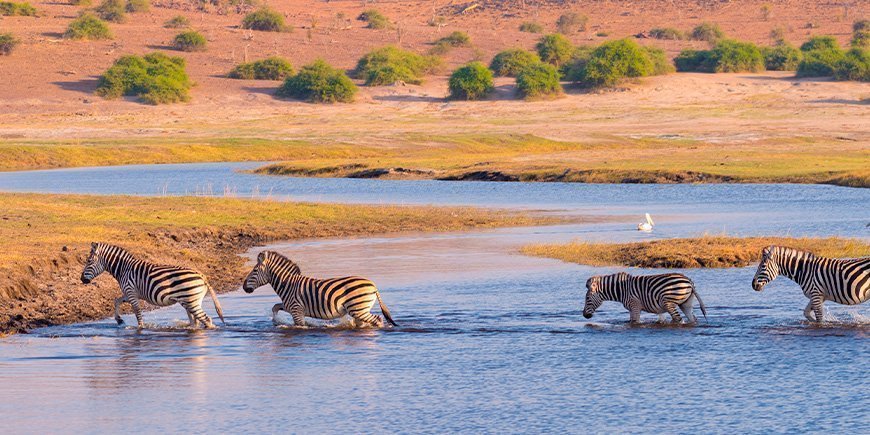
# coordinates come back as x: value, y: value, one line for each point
x: 672, y: 310
x: 686, y: 308
x: 661, y: 317
x: 808, y: 311
x: 194, y: 309
x: 118, y: 302
x: 192, y: 322
x: 298, y: 315
x: 137, y: 310
x: 365, y: 316
x: 818, y: 302
x: 634, y: 311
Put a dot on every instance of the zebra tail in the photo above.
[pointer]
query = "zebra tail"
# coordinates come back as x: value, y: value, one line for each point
x: 701, y: 303
x: 385, y: 310
x: 217, y: 304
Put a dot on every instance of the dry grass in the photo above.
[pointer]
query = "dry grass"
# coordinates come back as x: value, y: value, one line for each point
x: 44, y: 238
x: 707, y: 251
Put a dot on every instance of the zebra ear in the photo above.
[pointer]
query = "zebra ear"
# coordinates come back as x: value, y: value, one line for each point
x: 261, y: 256
x: 93, y: 246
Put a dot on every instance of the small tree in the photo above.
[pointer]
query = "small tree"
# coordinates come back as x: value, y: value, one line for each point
x: 821, y: 55
x: 387, y: 65
x: 112, y: 10
x: 266, y: 20
x: 319, y: 82
x: 854, y: 66
x: 88, y: 26
x: 509, y: 63
x: 189, y: 41
x: 471, y: 82
x: 155, y: 78
x: 781, y: 57
x: 539, y: 80
x: 554, y: 49
x: 615, y: 60
x: 709, y: 32
x: 571, y: 23
x: 7, y: 43
x: 271, y: 68
x: 861, y: 34
x: 820, y: 43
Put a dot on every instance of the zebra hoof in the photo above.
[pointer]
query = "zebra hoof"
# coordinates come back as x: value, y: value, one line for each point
x: 120, y: 321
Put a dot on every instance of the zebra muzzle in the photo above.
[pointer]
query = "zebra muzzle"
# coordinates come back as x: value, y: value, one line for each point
x: 587, y: 315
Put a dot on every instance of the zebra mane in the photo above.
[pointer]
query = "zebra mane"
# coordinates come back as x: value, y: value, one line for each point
x: 281, y: 260
x: 785, y: 250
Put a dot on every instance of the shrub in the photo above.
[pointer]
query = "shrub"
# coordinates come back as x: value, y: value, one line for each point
x: 574, y: 68
x: 615, y: 60
x: 138, y: 5
x: 539, y: 80
x: 23, y: 9
x: 319, y: 82
x: 709, y: 32
x: 455, y: 39
x: 271, y: 68
x: 266, y: 20
x: 855, y: 65
x: 80, y: 2
x: 88, y: 26
x: 375, y: 19
x: 554, y: 49
x: 177, y: 22
x: 726, y: 56
x: 189, y: 41
x: 155, y: 78
x: 781, y: 57
x: 531, y: 27
x: 661, y: 63
x: 114, y: 11
x: 571, y: 22
x: 819, y: 62
x: 666, y: 33
x: 7, y: 43
x: 861, y: 34
x: 509, y: 63
x: 471, y: 82
x: 820, y: 43
x: 388, y: 65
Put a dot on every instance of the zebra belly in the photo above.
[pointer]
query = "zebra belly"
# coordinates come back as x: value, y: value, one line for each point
x: 329, y: 314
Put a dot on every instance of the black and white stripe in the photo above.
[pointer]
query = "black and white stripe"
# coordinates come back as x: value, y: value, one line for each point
x: 656, y: 294
x: 845, y: 281
x: 303, y: 296
x: 156, y: 284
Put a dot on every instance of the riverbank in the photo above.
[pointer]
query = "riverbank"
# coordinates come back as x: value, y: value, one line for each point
x: 44, y: 240
x: 700, y: 252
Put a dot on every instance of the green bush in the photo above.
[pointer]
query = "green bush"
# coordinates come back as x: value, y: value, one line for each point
x: 155, y: 78
x: 820, y: 43
x: 88, y: 26
x: 375, y: 19
x: 855, y: 65
x: 539, y: 80
x: 138, y: 5
x: 509, y: 63
x: 726, y: 56
x: 615, y: 60
x: 709, y: 32
x: 388, y: 65
x: 554, y: 49
x: 574, y: 68
x: 531, y: 27
x: 781, y: 57
x: 661, y: 63
x: 861, y: 34
x: 189, y: 41
x: 80, y: 2
x: 7, y: 43
x: 23, y: 9
x: 114, y: 11
x: 455, y: 39
x: 266, y: 20
x: 666, y: 33
x: 822, y: 61
x: 271, y: 68
x: 471, y: 82
x: 320, y: 83
x: 571, y: 23
x: 177, y: 22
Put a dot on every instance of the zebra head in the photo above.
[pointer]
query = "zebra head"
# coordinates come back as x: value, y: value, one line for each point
x: 768, y: 269
x: 94, y: 266
x: 271, y: 267
x: 593, y: 296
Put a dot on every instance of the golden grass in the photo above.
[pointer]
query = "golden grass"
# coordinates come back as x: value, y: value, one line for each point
x: 507, y: 156
x: 706, y: 251
x: 44, y: 239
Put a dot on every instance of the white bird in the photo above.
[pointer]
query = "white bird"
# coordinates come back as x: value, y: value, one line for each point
x: 646, y: 226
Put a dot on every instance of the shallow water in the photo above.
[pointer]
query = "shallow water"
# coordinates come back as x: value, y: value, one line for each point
x: 489, y: 340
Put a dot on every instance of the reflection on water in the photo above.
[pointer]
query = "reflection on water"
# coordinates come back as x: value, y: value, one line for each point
x: 489, y: 340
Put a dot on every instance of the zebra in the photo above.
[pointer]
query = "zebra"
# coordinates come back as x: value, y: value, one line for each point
x: 156, y: 284
x: 303, y: 296
x: 651, y: 293
x: 845, y: 281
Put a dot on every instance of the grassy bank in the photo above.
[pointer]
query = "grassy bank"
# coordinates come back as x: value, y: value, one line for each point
x: 45, y: 238
x: 707, y: 251
x: 497, y: 157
